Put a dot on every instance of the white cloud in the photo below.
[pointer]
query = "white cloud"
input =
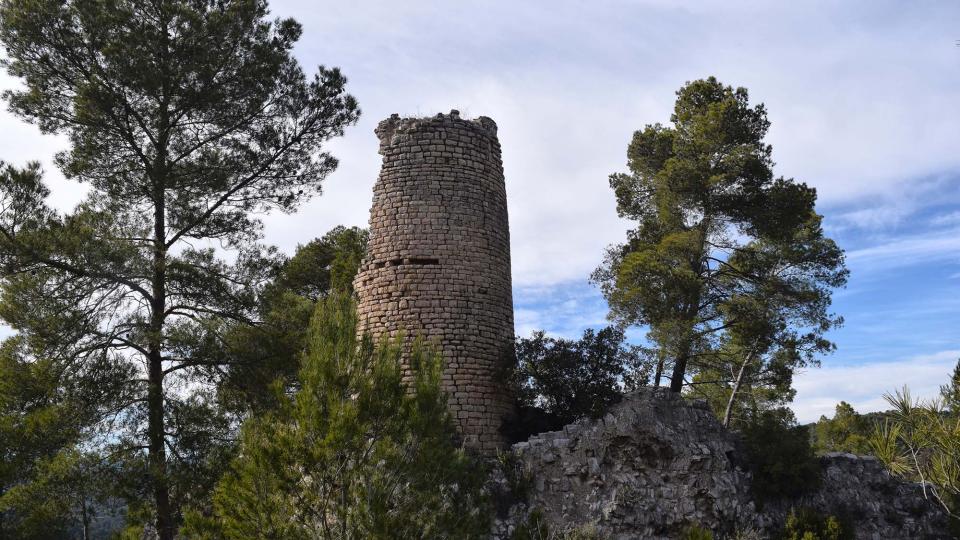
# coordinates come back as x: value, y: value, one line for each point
x: 908, y: 250
x: 562, y: 310
x: 950, y: 218
x: 862, y: 97
x: 819, y: 390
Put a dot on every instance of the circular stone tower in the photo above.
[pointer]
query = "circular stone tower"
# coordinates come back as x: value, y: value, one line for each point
x: 438, y: 260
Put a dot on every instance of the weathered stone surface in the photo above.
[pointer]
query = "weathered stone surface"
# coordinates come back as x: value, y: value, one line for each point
x: 656, y: 464
x: 860, y: 488
x: 438, y: 259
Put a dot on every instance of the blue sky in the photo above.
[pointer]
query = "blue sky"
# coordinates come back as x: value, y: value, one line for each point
x: 863, y: 96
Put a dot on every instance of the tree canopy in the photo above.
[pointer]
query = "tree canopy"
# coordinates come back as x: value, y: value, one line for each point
x: 728, y: 266
x: 572, y: 379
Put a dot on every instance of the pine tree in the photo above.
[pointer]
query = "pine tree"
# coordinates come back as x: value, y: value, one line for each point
x: 186, y: 119
x: 356, y: 453
x: 724, y: 254
x: 258, y: 357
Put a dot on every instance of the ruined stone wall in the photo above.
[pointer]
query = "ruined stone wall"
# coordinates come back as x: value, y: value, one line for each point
x: 657, y: 463
x: 438, y: 259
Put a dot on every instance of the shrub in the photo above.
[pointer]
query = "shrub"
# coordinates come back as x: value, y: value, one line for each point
x: 519, y: 478
x: 356, y: 453
x: 808, y: 524
x: 921, y: 442
x: 534, y: 528
x: 696, y: 532
x: 781, y: 457
x: 558, y: 381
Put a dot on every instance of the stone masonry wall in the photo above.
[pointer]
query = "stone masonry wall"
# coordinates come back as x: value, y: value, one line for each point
x: 656, y: 464
x: 438, y: 259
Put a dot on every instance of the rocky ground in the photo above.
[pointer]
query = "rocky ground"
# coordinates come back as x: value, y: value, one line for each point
x: 656, y: 464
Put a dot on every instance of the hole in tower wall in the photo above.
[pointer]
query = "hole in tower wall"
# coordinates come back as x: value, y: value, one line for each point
x: 416, y: 261
x: 421, y: 261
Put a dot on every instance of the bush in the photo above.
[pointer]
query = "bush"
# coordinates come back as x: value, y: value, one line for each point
x: 781, y: 457
x: 535, y: 528
x: 696, y: 532
x: 558, y: 381
x: 807, y: 524
x: 847, y: 431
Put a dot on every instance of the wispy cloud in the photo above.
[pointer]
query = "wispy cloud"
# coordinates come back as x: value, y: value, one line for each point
x: 562, y: 310
x: 908, y: 250
x: 861, y: 95
x: 948, y: 219
x: 819, y: 390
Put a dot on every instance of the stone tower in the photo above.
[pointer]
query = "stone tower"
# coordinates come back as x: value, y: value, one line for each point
x: 438, y: 260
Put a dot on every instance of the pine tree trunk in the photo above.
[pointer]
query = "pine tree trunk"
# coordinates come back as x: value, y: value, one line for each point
x: 736, y: 388
x: 680, y: 364
x: 691, y: 311
x: 656, y: 379
x: 155, y: 406
x: 679, y: 369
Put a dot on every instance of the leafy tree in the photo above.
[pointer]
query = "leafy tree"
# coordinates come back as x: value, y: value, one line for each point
x: 565, y: 380
x: 763, y: 385
x: 63, y: 496
x: 258, y: 357
x: 186, y: 119
x: 725, y: 255
x: 356, y: 453
x: 847, y: 431
x: 920, y: 441
x: 47, y: 406
x: 780, y: 454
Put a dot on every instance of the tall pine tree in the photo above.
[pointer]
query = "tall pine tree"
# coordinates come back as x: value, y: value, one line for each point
x: 186, y: 119
x: 724, y: 254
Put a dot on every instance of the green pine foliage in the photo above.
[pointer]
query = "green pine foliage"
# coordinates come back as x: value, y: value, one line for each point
x: 950, y: 392
x: 725, y: 257
x: 258, y: 358
x: 47, y: 409
x: 187, y: 121
x: 357, y: 452
x: 920, y: 442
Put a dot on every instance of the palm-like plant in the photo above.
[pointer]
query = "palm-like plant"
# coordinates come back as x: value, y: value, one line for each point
x: 921, y: 441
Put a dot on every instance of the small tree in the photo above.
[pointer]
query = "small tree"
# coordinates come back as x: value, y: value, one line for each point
x: 723, y: 252
x: 781, y: 457
x: 47, y: 409
x: 356, y: 453
x: 847, y: 431
x: 569, y: 379
x: 258, y: 357
x: 739, y: 386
